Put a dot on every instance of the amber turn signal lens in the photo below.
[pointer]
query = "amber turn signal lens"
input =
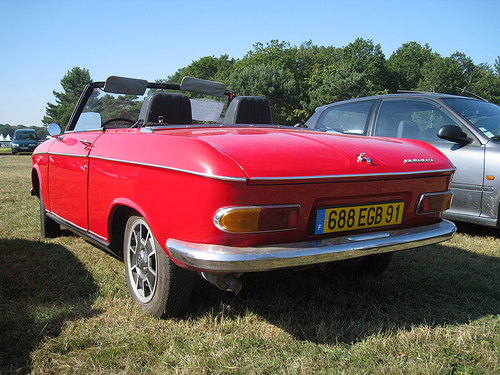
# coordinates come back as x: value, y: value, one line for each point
x: 431, y: 203
x: 240, y: 220
x: 257, y: 218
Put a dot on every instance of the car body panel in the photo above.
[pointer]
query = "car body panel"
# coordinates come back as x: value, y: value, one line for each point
x: 69, y: 170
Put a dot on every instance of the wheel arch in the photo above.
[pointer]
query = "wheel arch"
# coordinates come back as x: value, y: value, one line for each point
x: 116, y: 227
x: 35, y: 182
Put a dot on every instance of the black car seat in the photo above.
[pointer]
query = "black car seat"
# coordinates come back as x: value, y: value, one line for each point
x: 248, y: 110
x: 166, y: 108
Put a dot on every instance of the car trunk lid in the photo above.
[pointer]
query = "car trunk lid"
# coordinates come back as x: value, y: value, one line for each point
x: 277, y: 155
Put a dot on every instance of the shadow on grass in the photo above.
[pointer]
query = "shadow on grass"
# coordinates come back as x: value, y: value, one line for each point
x: 437, y: 285
x: 41, y: 287
x: 477, y: 230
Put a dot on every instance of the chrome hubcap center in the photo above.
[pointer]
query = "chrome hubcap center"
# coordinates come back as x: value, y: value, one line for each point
x: 142, y: 260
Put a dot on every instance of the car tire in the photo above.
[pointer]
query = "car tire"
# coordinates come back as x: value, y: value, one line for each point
x: 370, y: 265
x: 48, y: 227
x: 156, y: 284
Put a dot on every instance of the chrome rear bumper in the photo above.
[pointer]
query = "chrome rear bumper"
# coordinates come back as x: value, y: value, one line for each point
x: 218, y: 258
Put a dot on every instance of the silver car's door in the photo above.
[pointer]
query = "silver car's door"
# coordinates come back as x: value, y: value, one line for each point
x: 421, y: 119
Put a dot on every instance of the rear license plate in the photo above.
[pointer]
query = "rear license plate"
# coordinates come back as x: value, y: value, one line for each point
x: 339, y: 219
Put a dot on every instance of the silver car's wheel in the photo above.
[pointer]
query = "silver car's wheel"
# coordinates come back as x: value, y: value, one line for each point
x: 155, y: 283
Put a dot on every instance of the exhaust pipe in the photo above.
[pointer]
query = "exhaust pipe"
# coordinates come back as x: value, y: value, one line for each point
x: 229, y: 283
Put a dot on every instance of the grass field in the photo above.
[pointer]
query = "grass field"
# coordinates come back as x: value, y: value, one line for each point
x: 65, y: 309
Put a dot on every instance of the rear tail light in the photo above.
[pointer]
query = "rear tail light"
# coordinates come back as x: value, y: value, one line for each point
x: 431, y: 203
x: 255, y: 219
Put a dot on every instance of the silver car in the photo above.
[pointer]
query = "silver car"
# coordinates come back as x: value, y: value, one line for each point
x: 466, y: 130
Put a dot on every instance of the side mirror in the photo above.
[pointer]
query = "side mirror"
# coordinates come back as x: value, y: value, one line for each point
x: 453, y: 133
x: 54, y: 129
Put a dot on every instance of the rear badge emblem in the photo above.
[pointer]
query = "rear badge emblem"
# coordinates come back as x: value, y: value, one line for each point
x: 362, y: 158
x: 406, y: 161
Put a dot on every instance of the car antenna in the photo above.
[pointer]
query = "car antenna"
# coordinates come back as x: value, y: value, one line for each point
x: 470, y: 92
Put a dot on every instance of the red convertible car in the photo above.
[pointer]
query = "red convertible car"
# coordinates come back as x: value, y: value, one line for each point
x: 152, y: 174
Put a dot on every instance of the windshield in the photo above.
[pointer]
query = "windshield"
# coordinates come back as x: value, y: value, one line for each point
x: 102, y: 107
x: 25, y: 136
x: 483, y: 115
x: 111, y: 110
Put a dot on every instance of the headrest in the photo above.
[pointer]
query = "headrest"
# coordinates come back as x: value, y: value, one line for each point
x: 248, y: 110
x: 408, y: 129
x: 167, y: 108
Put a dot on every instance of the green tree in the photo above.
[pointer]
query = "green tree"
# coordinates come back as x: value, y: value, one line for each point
x: 461, y: 72
x: 307, y: 64
x: 313, y: 63
x: 486, y: 84
x: 123, y: 106
x: 367, y: 58
x: 345, y: 84
x: 406, y: 64
x: 275, y: 54
x: 72, y: 83
x: 275, y: 84
x: 208, y: 67
x: 434, y: 76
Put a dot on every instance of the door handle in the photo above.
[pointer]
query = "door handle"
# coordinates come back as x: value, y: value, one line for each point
x: 87, y: 144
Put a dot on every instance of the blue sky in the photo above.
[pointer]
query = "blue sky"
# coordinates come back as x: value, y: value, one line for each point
x: 40, y: 40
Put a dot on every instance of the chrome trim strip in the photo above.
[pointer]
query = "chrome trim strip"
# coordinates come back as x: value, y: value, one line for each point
x: 352, y: 175
x: 466, y: 187
x: 99, y: 236
x: 220, y: 258
x: 60, y: 154
x: 225, y: 178
x: 486, y: 188
x: 64, y: 222
x: 92, y: 237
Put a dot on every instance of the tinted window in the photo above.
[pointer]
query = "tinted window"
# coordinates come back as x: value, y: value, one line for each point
x: 414, y: 119
x: 350, y: 118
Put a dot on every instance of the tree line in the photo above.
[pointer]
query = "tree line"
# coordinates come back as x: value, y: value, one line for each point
x: 297, y: 79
